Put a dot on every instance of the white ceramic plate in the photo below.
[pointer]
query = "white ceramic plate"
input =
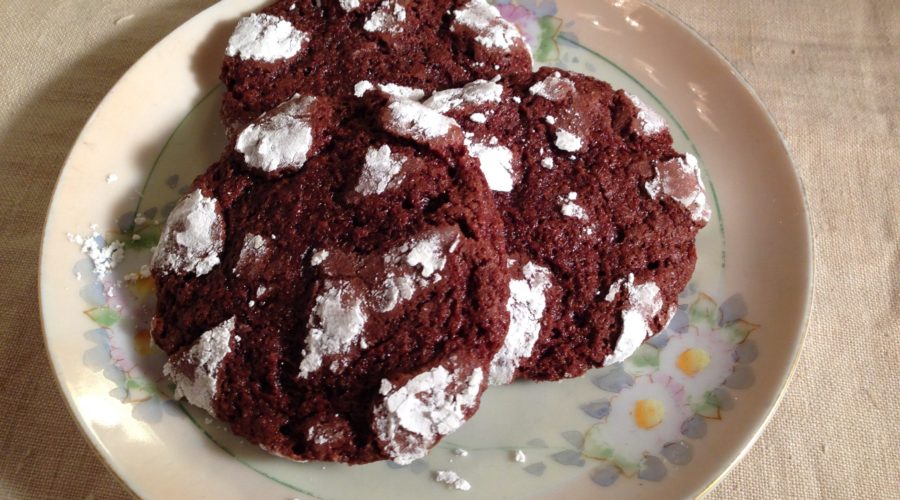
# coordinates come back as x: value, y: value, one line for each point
x: 668, y: 422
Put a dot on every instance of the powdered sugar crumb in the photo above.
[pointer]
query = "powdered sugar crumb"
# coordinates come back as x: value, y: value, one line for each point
x: 362, y: 87
x: 571, y: 209
x: 519, y: 456
x: 379, y: 169
x: 191, y: 240
x: 478, y: 117
x: 567, y: 141
x: 265, y: 37
x: 280, y: 138
x: 526, y: 306
x: 460, y: 452
x: 318, y: 257
x: 547, y: 162
x: 110, y: 178
x: 252, y: 250
x: 204, y: 356
x: 452, y: 479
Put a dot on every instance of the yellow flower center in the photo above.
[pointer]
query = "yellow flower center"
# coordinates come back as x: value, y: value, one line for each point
x: 648, y: 413
x: 692, y: 361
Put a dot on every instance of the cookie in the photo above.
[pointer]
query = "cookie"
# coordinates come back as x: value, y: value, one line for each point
x: 600, y: 214
x: 327, y: 47
x: 334, y: 288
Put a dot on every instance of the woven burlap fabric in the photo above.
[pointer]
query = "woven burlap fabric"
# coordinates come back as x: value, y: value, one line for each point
x: 829, y: 72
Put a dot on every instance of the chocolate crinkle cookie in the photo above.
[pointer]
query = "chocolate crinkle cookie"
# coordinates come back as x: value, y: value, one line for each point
x: 600, y: 216
x: 341, y: 47
x: 335, y: 287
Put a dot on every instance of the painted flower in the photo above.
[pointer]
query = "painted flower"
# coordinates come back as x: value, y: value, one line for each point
x: 700, y: 360
x: 536, y: 20
x: 642, y: 419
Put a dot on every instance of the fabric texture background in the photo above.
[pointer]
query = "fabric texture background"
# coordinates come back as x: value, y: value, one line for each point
x: 828, y: 71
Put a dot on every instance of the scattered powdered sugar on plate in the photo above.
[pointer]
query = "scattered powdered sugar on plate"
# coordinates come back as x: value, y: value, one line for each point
x: 199, y: 384
x: 379, y: 169
x: 473, y: 93
x: 104, y: 257
x: 265, y: 37
x: 432, y: 404
x: 680, y: 180
x: 651, y: 121
x: 555, y: 87
x: 526, y: 308
x: 571, y: 209
x: 519, y: 456
x: 460, y: 452
x: 452, y: 479
x: 496, y: 165
x: 280, y: 138
x: 567, y: 141
x: 645, y: 302
x: 335, y: 325
x: 387, y: 18
x: 110, y: 178
x: 491, y: 30
x: 416, y: 121
x: 192, y: 238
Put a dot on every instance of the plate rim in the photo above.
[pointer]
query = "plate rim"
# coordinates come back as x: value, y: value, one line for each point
x: 808, y: 239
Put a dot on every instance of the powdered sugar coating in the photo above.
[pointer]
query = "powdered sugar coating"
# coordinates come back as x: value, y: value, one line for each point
x: 204, y: 356
x: 651, y: 121
x: 555, y: 87
x: 401, y: 91
x: 681, y: 180
x: 254, y: 248
x: 335, y: 325
x: 526, y: 306
x: 412, y: 266
x: 379, y: 169
x: 416, y: 121
x: 387, y: 18
x: 644, y: 303
x: 104, y: 256
x: 432, y: 404
x: 265, y: 37
x: 281, y: 138
x: 567, y: 141
x: 452, y: 479
x: 491, y: 30
x: 318, y: 257
x: 192, y: 238
x: 473, y: 93
x: 496, y: 165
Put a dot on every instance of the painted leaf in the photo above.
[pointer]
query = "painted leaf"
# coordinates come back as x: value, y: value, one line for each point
x: 708, y: 406
x: 737, y: 331
x: 644, y: 361
x: 704, y: 312
x: 103, y: 316
x: 547, y: 49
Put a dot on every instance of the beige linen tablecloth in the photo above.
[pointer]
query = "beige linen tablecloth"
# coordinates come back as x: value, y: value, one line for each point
x: 828, y: 70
